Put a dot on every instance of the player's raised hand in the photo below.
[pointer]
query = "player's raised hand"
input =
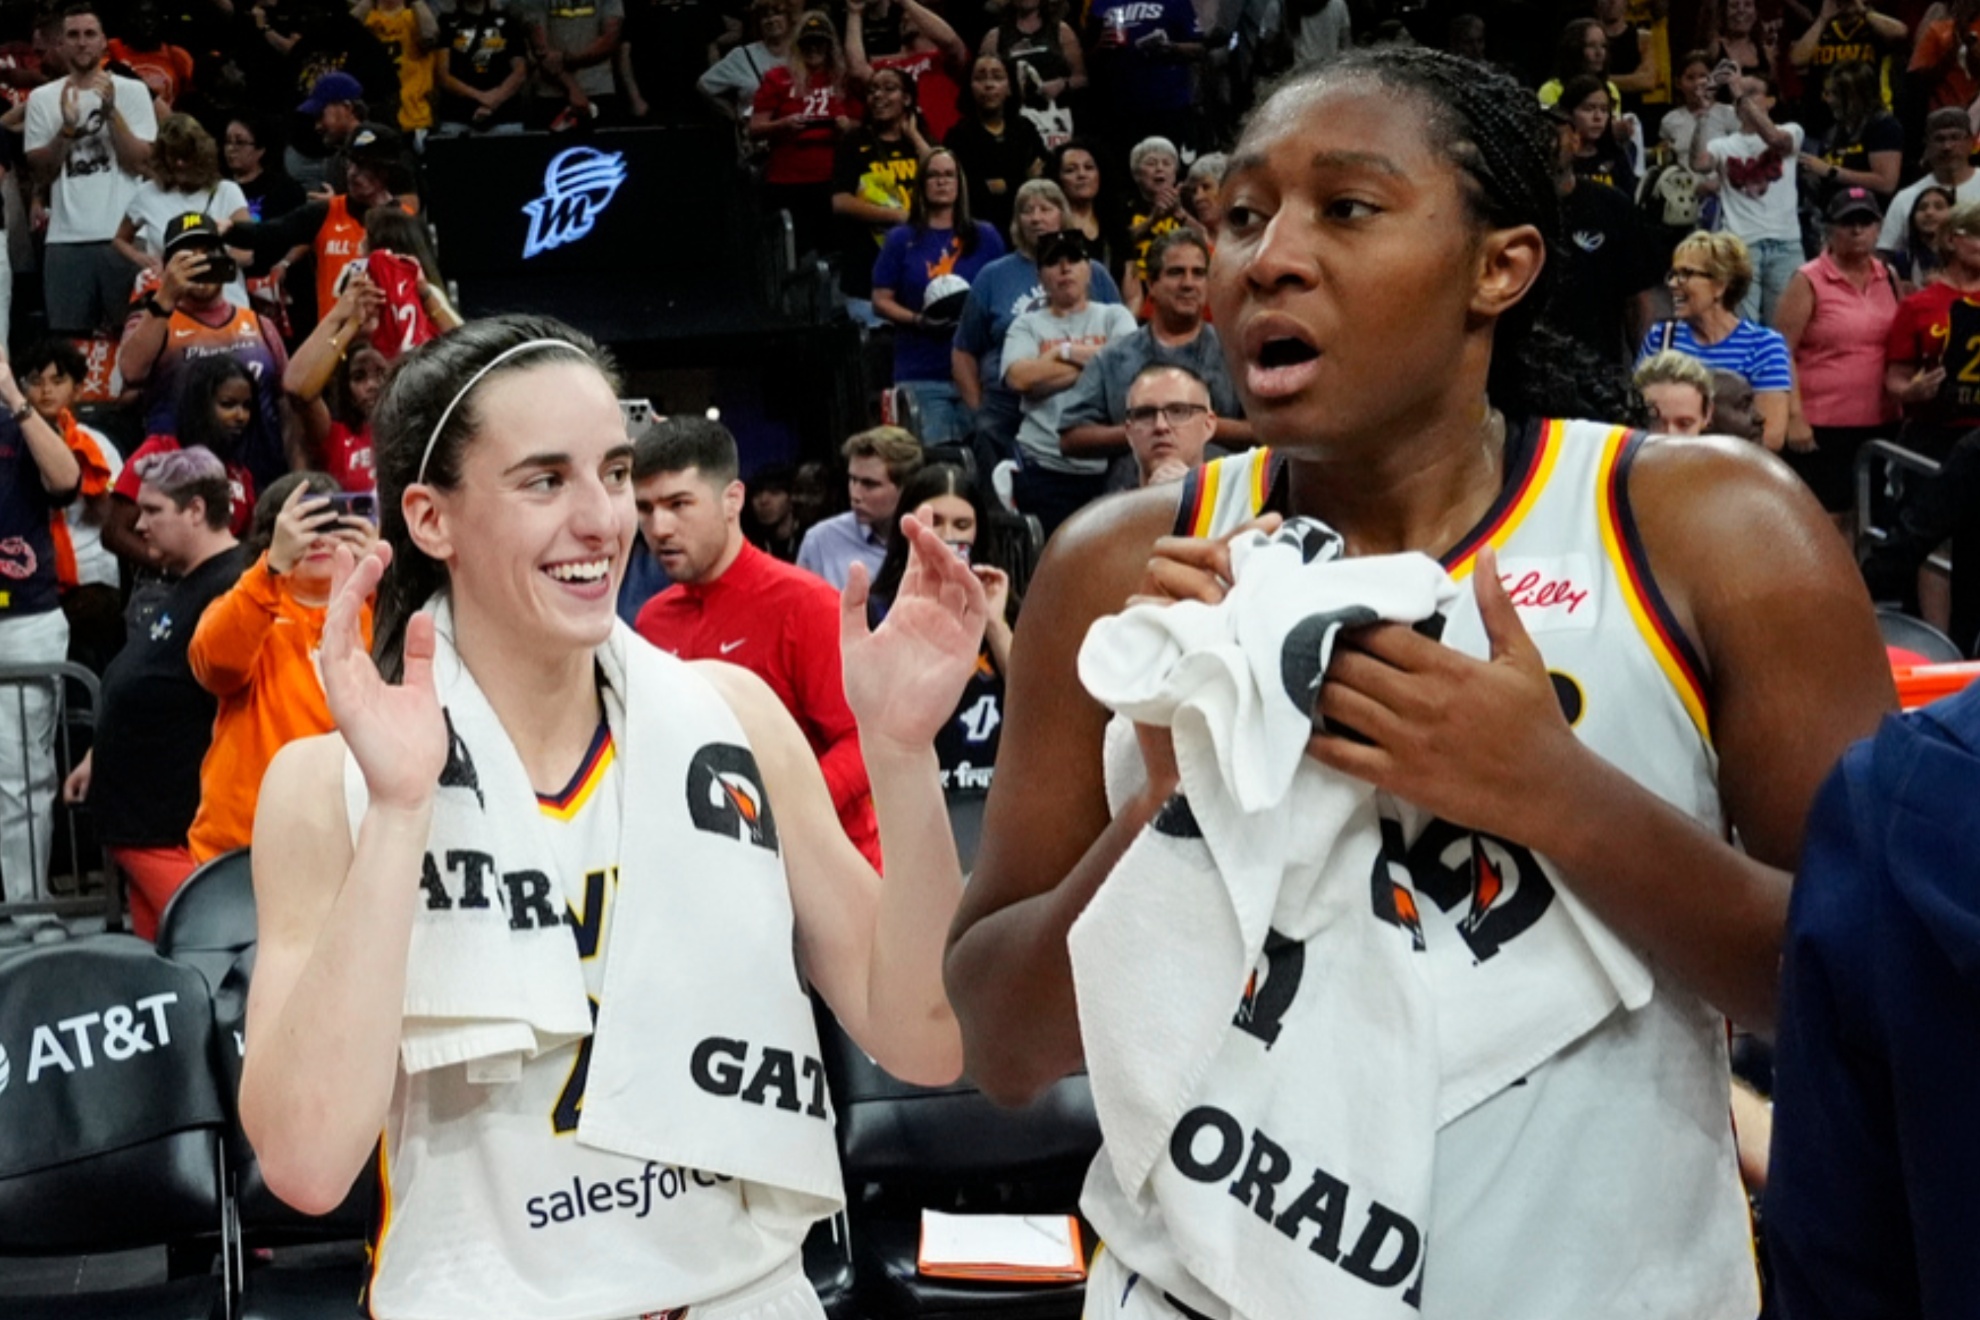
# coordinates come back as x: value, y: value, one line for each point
x: 397, y: 733
x: 903, y: 679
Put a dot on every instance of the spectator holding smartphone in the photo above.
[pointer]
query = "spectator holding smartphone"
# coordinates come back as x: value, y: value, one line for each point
x: 190, y: 318
x: 1700, y: 116
x: 265, y: 675
x: 184, y: 176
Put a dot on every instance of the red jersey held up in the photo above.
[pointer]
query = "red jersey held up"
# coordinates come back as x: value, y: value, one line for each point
x: 403, y: 324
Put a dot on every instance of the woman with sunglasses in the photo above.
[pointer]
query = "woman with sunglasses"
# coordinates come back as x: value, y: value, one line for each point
x: 1709, y: 274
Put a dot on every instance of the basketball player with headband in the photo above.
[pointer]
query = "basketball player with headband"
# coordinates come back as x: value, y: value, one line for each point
x: 523, y: 793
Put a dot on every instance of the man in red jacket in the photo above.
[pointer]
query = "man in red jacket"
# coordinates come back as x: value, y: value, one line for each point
x: 734, y: 603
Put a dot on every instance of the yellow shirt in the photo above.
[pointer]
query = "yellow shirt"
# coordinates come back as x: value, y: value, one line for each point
x: 398, y: 31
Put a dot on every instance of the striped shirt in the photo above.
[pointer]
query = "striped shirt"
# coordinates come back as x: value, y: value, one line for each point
x: 1751, y: 350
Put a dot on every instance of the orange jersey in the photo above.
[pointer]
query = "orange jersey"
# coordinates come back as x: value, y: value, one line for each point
x: 95, y: 481
x: 167, y: 71
x: 255, y: 649
x: 336, y: 245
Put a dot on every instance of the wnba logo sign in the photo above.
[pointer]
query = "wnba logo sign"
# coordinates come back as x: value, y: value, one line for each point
x: 577, y: 187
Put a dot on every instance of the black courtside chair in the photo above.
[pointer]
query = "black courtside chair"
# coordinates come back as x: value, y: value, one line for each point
x: 907, y: 1148
x: 316, y: 1262
x: 112, y: 1130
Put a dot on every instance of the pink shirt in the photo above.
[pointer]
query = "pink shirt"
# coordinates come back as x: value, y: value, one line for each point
x: 1840, y: 360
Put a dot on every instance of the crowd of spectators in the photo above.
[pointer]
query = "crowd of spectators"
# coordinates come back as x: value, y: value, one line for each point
x: 219, y: 246
x: 216, y: 250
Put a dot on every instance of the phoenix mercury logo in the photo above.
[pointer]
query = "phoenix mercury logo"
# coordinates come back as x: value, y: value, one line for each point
x: 578, y: 185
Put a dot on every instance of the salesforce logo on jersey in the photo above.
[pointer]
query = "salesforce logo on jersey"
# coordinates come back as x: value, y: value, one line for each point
x: 578, y: 185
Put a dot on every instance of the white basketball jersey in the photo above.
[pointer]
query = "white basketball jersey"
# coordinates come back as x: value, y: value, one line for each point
x: 1605, y: 1183
x: 489, y: 1205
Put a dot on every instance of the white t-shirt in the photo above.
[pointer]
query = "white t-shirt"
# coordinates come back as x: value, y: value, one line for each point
x: 1757, y: 189
x: 91, y: 193
x: 1679, y: 125
x: 1043, y: 331
x: 1895, y: 236
x: 1322, y: 36
x: 735, y: 77
x: 152, y: 208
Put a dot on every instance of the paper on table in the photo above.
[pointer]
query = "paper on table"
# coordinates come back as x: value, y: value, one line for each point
x: 1036, y: 1248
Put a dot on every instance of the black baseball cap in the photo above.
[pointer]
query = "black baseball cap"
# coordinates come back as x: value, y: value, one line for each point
x: 191, y: 229
x: 1061, y: 245
x: 816, y: 28
x: 375, y: 144
x: 1854, y: 201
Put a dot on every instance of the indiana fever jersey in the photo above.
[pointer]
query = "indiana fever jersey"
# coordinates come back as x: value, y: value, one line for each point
x: 1604, y: 1182
x: 489, y: 1206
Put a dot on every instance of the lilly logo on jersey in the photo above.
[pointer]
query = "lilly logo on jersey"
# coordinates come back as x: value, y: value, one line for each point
x: 578, y: 185
x: 1551, y: 595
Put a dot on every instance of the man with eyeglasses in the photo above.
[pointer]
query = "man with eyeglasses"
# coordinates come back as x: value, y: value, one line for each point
x: 1169, y: 422
x: 1091, y: 422
x: 1948, y: 163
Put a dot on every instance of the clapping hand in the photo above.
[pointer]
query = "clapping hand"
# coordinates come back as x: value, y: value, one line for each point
x: 903, y: 679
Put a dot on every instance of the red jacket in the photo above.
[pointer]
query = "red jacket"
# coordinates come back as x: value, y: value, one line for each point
x: 782, y: 624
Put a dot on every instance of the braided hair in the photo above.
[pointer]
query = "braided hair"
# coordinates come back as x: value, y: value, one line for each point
x: 1507, y: 148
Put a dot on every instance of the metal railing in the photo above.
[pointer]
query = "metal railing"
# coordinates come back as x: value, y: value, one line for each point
x: 76, y: 856
x: 1876, y: 462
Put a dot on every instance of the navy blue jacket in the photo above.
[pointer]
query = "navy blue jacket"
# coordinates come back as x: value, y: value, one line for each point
x: 1873, y: 1196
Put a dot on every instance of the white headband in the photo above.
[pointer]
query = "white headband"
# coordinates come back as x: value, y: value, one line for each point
x: 474, y: 380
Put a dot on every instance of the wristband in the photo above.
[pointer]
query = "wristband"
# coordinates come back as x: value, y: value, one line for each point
x: 23, y: 412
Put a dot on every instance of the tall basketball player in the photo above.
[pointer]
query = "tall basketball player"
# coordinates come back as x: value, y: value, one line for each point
x: 1390, y: 235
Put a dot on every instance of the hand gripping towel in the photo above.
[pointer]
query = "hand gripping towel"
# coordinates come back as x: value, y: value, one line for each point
x: 1262, y: 1150
x: 1259, y: 1031
x: 705, y: 1054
